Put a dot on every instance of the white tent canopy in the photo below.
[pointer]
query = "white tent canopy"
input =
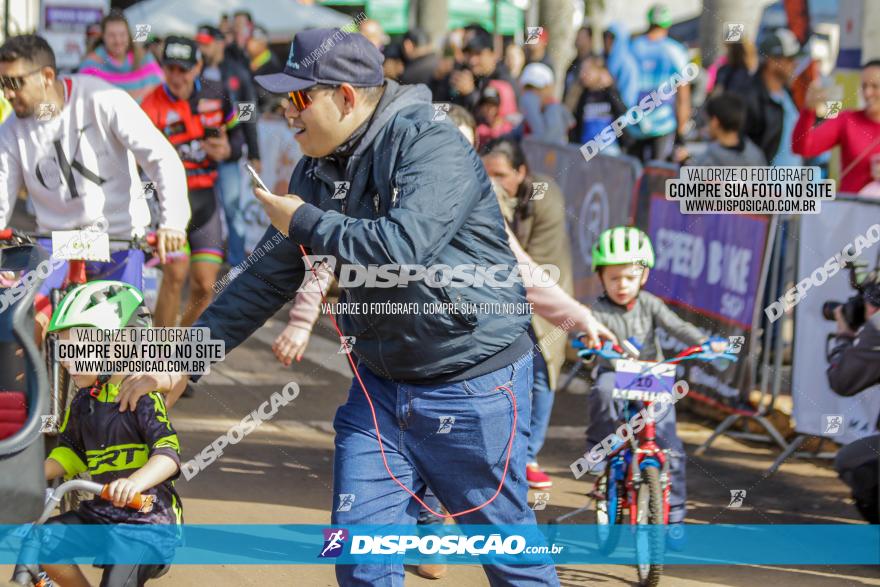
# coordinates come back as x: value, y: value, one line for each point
x: 282, y: 18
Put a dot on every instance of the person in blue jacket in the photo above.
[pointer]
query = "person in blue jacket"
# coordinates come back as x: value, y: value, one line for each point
x: 386, y: 182
x: 621, y: 64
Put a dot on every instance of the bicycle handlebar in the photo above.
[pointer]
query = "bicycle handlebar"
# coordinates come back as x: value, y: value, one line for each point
x: 140, y: 502
x: 611, y: 351
x: 144, y: 243
x: 26, y: 573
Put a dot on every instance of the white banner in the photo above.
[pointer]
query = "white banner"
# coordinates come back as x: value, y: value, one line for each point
x: 817, y: 409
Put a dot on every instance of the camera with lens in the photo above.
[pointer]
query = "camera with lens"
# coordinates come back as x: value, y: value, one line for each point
x: 853, y: 309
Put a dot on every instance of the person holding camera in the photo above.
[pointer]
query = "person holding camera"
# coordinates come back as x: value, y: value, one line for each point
x: 468, y: 81
x: 854, y: 364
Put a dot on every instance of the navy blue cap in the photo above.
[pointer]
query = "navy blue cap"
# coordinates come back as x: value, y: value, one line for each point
x: 329, y: 57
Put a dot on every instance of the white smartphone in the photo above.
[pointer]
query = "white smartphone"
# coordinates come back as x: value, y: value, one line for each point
x: 257, y: 181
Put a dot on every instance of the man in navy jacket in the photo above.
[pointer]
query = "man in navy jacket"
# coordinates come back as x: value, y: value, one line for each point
x: 385, y: 183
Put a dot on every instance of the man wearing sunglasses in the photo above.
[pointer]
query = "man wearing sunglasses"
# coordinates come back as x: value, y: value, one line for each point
x: 383, y: 183
x: 74, y: 144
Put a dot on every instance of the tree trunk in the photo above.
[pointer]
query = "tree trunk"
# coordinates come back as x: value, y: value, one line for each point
x: 556, y: 16
x: 432, y: 17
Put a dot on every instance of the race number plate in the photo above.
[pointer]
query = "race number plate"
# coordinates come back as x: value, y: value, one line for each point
x: 643, y: 381
x: 85, y: 245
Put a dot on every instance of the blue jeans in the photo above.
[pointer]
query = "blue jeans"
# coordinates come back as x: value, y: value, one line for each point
x: 461, y: 459
x: 542, y: 406
x: 229, y: 187
x: 606, y: 414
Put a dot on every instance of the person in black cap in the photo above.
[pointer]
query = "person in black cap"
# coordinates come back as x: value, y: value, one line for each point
x: 193, y: 113
x: 262, y: 60
x: 241, y: 93
x: 490, y: 124
x: 466, y: 83
x: 419, y: 57
x: 392, y: 66
x: 384, y: 182
x: 770, y: 107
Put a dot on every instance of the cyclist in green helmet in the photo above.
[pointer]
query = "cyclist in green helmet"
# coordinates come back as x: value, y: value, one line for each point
x: 623, y: 258
x: 132, y: 451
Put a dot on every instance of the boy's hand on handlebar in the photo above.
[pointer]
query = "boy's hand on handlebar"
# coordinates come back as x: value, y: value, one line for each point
x: 718, y: 346
x: 169, y: 240
x: 122, y: 491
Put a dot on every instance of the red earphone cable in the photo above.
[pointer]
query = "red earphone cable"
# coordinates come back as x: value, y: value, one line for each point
x: 379, y: 434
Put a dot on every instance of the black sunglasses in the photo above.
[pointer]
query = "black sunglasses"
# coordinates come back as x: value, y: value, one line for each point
x: 15, y: 82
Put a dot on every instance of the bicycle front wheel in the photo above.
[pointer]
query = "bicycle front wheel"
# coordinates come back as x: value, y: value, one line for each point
x: 650, y: 540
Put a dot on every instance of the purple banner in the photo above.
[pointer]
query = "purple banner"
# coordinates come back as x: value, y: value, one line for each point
x: 710, y: 263
x: 71, y: 17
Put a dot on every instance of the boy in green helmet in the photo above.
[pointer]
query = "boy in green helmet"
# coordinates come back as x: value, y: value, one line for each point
x: 623, y: 257
x: 132, y: 451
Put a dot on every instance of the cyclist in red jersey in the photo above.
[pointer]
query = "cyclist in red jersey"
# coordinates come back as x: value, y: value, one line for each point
x: 194, y: 113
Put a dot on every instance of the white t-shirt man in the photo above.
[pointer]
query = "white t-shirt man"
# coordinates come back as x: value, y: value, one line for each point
x: 81, y: 165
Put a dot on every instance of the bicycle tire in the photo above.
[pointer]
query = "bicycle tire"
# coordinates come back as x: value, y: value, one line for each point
x: 609, y: 514
x: 649, y: 504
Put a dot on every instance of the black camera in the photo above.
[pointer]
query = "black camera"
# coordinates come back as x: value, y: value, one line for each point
x: 854, y: 307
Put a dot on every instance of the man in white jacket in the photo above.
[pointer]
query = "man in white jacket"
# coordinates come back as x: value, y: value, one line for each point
x: 74, y: 144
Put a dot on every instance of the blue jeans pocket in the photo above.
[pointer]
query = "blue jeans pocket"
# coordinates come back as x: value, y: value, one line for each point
x: 489, y: 383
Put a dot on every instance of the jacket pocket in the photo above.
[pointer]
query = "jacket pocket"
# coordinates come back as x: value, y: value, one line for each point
x: 466, y: 318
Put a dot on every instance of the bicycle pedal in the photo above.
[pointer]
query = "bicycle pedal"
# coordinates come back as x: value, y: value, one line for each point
x: 595, y: 494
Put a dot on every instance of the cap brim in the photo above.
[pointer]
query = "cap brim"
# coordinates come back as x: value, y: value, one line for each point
x: 205, y: 39
x: 187, y: 65
x: 281, y: 83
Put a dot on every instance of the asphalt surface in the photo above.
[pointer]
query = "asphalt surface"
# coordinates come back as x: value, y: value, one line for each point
x: 282, y: 473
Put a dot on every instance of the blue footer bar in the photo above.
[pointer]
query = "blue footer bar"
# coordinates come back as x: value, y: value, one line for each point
x: 292, y: 544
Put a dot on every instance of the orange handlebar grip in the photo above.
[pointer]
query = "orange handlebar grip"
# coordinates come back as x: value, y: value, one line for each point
x: 140, y: 502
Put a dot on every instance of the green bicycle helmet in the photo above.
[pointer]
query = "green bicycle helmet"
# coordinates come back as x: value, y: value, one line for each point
x: 659, y: 16
x: 622, y: 245
x: 101, y: 304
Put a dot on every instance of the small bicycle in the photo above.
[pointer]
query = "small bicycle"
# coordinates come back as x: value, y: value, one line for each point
x: 636, y: 473
x: 30, y: 574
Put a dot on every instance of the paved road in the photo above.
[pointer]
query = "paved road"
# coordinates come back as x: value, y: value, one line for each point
x: 282, y: 473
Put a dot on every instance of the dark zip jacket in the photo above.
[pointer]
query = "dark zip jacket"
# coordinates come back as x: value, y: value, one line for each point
x: 418, y: 195
x: 764, y: 118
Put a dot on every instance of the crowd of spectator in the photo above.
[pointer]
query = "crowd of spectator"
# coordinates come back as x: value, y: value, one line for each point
x: 498, y: 94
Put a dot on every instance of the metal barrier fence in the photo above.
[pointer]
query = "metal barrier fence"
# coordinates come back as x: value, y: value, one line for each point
x: 717, y: 271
